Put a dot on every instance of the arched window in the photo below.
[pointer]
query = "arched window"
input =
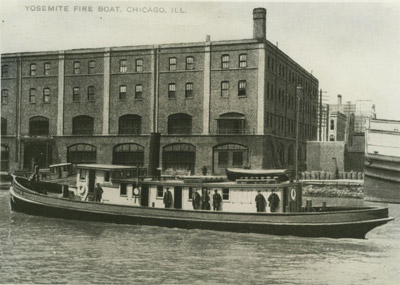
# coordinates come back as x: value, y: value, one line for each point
x: 179, y: 156
x: 231, y: 123
x: 229, y: 155
x: 180, y: 124
x: 128, y: 154
x: 82, y: 125
x: 5, y: 152
x: 38, y: 126
x: 81, y: 153
x: 3, y: 126
x: 130, y: 125
x: 290, y: 155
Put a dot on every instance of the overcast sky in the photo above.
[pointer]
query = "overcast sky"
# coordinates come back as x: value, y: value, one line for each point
x: 352, y: 48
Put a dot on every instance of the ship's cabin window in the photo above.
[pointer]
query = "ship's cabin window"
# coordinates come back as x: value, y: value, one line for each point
x: 122, y: 190
x: 82, y: 174
x: 160, y: 191
x: 107, y: 176
x: 225, y: 194
x: 190, y: 193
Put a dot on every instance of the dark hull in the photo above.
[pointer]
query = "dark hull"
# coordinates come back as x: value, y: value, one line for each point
x: 334, y: 224
x: 382, y: 179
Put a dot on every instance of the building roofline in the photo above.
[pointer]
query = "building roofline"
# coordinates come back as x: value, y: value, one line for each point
x: 157, y: 46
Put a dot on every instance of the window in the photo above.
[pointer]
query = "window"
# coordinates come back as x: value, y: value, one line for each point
x: 139, y: 92
x: 4, y: 71
x: 32, y: 95
x: 33, y: 69
x: 223, y: 157
x: 225, y: 61
x: 82, y: 125
x: 76, y: 96
x: 242, y: 88
x: 189, y: 90
x: 3, y: 126
x: 122, y: 190
x: 128, y: 154
x: 231, y: 123
x: 122, y: 66
x: 225, y: 193
x: 47, y: 67
x: 106, y: 176
x: 225, y: 89
x: 46, y: 95
x: 5, y: 154
x: 189, y: 63
x: 190, y: 193
x: 4, y: 97
x: 332, y: 138
x: 139, y: 65
x: 171, y: 90
x: 122, y: 92
x: 81, y: 153
x: 179, y: 156
x: 91, y: 93
x: 237, y: 158
x: 82, y: 174
x: 180, y: 124
x: 77, y: 67
x: 332, y: 124
x: 130, y: 125
x: 243, y: 60
x: 160, y: 191
x: 91, y: 66
x: 172, y: 63
x: 38, y: 126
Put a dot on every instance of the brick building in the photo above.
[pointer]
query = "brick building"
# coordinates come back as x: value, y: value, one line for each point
x: 216, y: 104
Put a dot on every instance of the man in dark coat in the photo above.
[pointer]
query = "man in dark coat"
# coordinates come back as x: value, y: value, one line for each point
x: 206, y: 200
x: 98, y: 193
x: 260, y: 202
x: 168, y: 198
x: 217, y: 199
x: 273, y: 200
x: 196, y: 200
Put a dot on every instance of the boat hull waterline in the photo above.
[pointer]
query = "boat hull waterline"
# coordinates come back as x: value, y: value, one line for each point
x: 334, y: 224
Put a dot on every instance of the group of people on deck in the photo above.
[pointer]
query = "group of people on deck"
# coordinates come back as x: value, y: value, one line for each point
x: 202, y: 202
x: 261, y: 203
x: 199, y: 202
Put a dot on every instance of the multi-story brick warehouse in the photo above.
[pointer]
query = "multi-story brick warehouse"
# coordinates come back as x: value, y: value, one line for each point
x: 216, y: 104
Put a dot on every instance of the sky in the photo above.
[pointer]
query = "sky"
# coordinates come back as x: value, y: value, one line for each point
x: 352, y: 48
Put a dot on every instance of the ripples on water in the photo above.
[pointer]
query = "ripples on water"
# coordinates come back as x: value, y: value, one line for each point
x: 44, y: 250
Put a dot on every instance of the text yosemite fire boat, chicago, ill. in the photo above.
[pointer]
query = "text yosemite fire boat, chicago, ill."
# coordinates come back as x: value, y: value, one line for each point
x: 190, y: 201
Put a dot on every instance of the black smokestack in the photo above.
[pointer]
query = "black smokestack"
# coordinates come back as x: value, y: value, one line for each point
x: 154, y: 155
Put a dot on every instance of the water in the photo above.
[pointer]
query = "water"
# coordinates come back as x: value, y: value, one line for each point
x: 45, y: 250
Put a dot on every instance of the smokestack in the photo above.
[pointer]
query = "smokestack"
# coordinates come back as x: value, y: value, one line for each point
x: 339, y: 99
x: 259, y: 24
x: 154, y: 154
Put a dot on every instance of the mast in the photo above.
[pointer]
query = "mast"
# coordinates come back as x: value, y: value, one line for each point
x: 299, y: 90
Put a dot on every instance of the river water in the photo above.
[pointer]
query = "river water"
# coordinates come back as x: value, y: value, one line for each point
x: 45, y: 250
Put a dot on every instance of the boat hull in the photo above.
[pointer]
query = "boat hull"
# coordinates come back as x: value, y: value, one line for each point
x: 334, y: 224
x: 382, y: 179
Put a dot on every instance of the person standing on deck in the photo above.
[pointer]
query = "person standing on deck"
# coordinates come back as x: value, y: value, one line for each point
x: 273, y: 200
x: 217, y: 199
x: 98, y: 193
x: 167, y: 198
x: 196, y: 200
x: 206, y: 200
x: 260, y: 202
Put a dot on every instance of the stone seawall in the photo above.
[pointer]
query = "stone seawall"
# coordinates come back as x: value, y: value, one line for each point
x: 334, y: 188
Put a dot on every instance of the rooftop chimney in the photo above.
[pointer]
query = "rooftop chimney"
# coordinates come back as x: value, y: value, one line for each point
x: 339, y: 99
x: 259, y: 24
